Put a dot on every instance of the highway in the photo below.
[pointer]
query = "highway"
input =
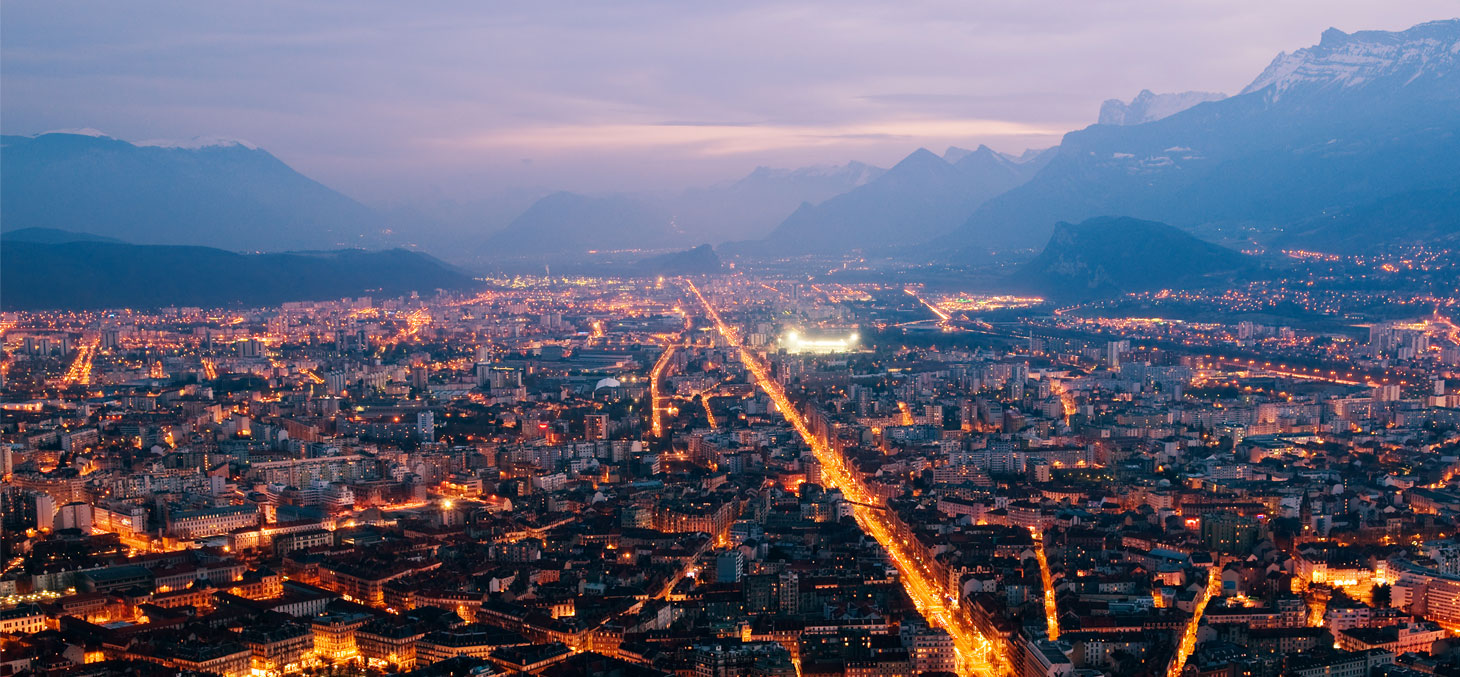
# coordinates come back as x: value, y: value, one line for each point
x: 927, y: 592
x: 943, y: 317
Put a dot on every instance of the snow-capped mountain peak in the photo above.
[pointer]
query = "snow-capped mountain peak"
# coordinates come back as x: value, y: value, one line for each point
x: 1346, y: 60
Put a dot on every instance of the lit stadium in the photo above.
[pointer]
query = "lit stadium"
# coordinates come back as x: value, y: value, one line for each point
x: 796, y: 342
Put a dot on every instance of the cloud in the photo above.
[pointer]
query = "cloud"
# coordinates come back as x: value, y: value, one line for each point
x: 731, y: 139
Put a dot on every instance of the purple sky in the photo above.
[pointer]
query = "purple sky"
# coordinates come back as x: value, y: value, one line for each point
x: 390, y: 101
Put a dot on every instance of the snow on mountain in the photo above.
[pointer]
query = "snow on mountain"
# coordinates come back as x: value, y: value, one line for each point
x: 194, y: 143
x: 198, y: 142
x: 1346, y: 60
x: 1352, y: 121
x: 1149, y: 106
x: 84, y: 131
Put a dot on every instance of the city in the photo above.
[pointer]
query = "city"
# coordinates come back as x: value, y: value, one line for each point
x: 779, y: 338
x: 658, y: 475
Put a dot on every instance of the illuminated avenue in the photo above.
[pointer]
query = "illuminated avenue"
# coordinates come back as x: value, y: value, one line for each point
x: 928, y: 593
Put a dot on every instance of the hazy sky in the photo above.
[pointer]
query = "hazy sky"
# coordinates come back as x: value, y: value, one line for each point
x: 409, y: 100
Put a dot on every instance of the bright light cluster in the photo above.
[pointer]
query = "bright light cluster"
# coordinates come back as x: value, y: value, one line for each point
x: 973, y: 303
x: 794, y: 342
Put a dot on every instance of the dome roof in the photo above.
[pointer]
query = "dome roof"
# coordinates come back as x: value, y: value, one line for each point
x: 609, y: 382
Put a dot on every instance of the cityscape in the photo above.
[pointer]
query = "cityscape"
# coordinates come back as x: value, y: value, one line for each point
x: 984, y: 413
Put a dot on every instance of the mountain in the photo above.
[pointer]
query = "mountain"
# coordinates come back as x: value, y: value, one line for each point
x: 452, y: 229
x: 700, y: 260
x: 1031, y: 160
x: 90, y: 275
x: 753, y: 206
x: 1108, y: 256
x: 209, y: 192
x: 1419, y: 217
x: 569, y: 224
x: 922, y: 197
x: 1149, y: 106
x: 52, y: 236
x: 1420, y: 60
x: 1352, y: 120
x: 566, y: 224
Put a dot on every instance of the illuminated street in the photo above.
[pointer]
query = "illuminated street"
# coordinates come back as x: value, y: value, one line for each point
x: 1051, y: 612
x: 1187, y: 640
x: 928, y: 594
x: 660, y: 403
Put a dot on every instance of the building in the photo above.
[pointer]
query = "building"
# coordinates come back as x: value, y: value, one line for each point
x: 1397, y: 639
x: 334, y: 635
x: 277, y: 648
x: 1043, y: 658
x: 728, y: 566
x: 734, y: 660
x: 22, y: 619
x: 1427, y: 593
x: 228, y: 659
x: 393, y: 644
x: 1338, y: 664
x: 595, y: 427
x: 1230, y: 533
x: 933, y: 651
x: 474, y: 641
x: 193, y: 524
x: 116, y: 578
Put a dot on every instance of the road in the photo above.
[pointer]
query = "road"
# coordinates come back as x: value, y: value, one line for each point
x: 1290, y: 366
x: 1188, y: 635
x: 1051, y: 613
x: 79, y: 373
x: 709, y: 414
x: 926, y: 591
x: 942, y: 316
x: 1067, y: 401
x: 1348, y: 377
x: 658, y: 402
x: 904, y: 415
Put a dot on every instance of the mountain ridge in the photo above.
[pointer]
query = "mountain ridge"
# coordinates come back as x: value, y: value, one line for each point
x: 1149, y: 106
x: 921, y: 197
x: 228, y: 196
x: 1112, y: 255
x: 84, y: 275
x: 1255, y: 159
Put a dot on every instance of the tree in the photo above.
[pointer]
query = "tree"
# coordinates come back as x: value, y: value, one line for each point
x: 1383, y: 595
